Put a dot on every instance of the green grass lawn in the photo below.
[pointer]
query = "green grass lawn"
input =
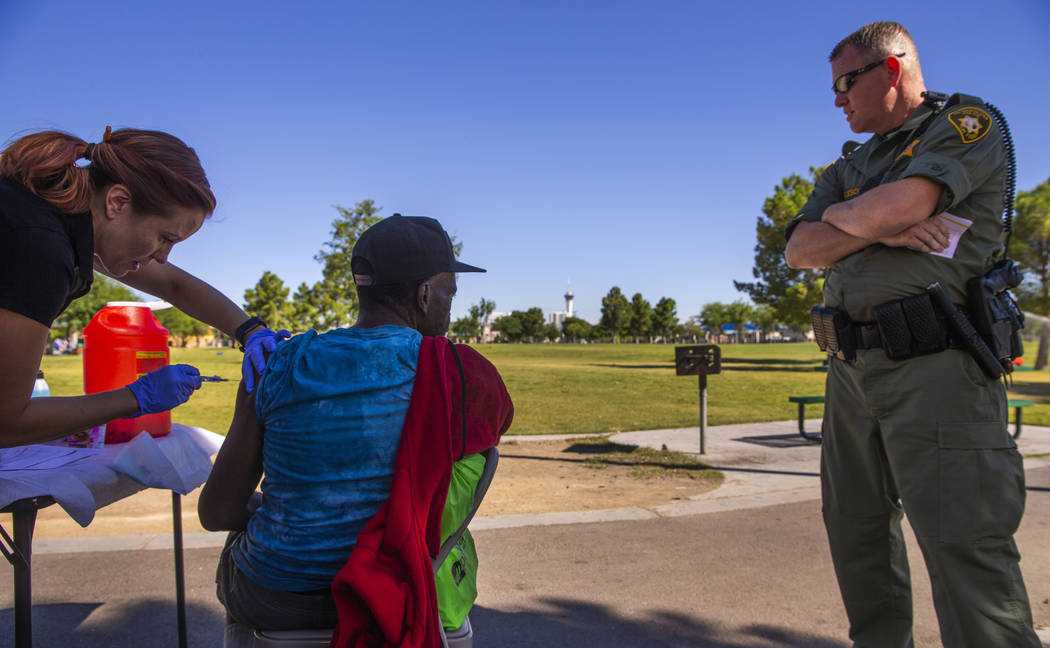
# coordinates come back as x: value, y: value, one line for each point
x: 592, y: 389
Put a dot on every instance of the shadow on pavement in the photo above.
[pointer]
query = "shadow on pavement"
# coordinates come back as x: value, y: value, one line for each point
x: 792, y: 440
x: 124, y: 623
x: 572, y: 623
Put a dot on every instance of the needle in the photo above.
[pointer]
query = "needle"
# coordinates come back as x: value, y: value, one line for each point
x: 214, y: 379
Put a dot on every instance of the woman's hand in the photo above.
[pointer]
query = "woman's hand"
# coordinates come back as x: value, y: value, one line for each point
x: 257, y: 348
x: 165, y: 388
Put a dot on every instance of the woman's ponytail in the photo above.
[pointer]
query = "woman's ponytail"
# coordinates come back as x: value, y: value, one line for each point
x: 45, y: 163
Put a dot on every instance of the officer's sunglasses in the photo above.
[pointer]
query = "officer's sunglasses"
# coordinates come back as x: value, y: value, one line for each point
x: 846, y: 81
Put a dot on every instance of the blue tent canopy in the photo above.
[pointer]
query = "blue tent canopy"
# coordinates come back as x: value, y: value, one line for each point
x: 731, y: 328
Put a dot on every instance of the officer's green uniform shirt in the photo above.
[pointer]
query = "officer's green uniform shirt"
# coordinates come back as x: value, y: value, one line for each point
x: 962, y: 151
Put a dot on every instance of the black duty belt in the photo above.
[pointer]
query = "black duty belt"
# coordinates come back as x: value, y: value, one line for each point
x: 902, y: 328
x: 867, y: 336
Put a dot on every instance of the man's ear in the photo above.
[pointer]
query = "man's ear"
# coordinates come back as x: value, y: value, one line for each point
x: 118, y: 198
x: 423, y: 297
x: 893, y: 66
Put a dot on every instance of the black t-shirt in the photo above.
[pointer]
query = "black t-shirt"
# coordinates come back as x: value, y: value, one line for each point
x: 46, y: 254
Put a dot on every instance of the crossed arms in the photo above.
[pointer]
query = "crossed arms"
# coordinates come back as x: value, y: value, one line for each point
x: 896, y: 214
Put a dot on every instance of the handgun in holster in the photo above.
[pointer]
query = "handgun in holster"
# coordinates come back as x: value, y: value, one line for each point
x: 995, y: 314
x: 833, y: 332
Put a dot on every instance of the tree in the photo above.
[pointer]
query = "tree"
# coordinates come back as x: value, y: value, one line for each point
x: 576, y: 329
x: 616, y: 313
x: 468, y: 328
x: 774, y: 277
x: 1030, y: 245
x: 308, y: 308
x: 81, y: 310
x: 181, y: 325
x: 665, y: 318
x: 473, y: 324
x: 509, y: 327
x: 640, y: 322
x: 533, y: 325
x: 522, y: 325
x: 739, y: 314
x: 269, y: 300
x: 765, y: 318
x: 337, y: 295
x: 690, y: 329
x: 551, y: 332
x: 482, y: 310
x: 713, y: 316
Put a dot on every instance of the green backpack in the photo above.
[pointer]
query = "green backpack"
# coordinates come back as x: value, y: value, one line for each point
x: 456, y: 579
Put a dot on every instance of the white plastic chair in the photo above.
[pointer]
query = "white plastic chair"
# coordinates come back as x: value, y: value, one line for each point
x: 461, y: 637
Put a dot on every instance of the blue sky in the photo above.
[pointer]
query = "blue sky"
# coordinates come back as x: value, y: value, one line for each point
x: 605, y: 143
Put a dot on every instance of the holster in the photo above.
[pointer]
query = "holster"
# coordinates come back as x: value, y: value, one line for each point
x: 994, y: 312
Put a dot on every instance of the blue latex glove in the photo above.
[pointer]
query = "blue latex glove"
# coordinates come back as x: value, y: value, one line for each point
x: 165, y: 388
x: 257, y: 348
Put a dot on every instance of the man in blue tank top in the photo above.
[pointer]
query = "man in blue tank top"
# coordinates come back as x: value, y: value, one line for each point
x: 324, y: 427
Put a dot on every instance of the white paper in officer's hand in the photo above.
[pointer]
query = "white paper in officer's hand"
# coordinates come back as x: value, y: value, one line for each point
x: 956, y: 226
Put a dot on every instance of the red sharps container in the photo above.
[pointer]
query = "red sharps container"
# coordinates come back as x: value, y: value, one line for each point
x: 122, y: 342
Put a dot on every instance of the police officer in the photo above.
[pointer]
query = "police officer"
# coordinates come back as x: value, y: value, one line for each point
x: 924, y: 432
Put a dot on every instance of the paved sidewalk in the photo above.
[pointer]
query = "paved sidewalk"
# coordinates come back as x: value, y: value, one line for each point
x: 743, y: 566
x: 764, y: 464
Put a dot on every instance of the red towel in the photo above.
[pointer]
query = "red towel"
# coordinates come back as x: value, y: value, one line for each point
x: 385, y: 593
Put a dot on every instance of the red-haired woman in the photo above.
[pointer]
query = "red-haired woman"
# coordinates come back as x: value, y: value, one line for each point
x: 117, y: 206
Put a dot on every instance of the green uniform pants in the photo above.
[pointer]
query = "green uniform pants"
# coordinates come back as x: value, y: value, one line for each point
x: 927, y: 436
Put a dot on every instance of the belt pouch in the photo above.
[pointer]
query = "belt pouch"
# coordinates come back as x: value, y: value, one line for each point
x: 824, y: 332
x: 845, y: 335
x: 893, y: 327
x: 928, y: 332
x: 820, y: 334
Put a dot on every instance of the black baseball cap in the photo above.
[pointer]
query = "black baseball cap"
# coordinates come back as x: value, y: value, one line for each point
x: 400, y: 249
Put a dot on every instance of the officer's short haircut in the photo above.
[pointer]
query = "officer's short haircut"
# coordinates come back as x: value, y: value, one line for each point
x: 878, y: 39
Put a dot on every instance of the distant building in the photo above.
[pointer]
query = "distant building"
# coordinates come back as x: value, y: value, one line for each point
x: 557, y: 318
x: 487, y: 334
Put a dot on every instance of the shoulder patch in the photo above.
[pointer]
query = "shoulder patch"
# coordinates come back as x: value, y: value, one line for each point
x: 972, y: 123
x: 849, y: 193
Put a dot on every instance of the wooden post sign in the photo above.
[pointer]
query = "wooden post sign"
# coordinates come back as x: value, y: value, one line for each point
x: 700, y: 360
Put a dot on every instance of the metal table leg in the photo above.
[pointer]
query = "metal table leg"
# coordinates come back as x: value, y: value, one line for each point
x: 24, y: 522
x: 816, y: 438
x: 19, y: 552
x: 180, y: 579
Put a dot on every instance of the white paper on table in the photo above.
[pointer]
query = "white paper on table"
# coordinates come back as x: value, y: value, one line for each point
x: 42, y: 457
x: 956, y: 226
x: 162, y: 463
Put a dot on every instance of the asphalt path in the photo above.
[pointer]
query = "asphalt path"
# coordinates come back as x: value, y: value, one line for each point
x: 723, y: 571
